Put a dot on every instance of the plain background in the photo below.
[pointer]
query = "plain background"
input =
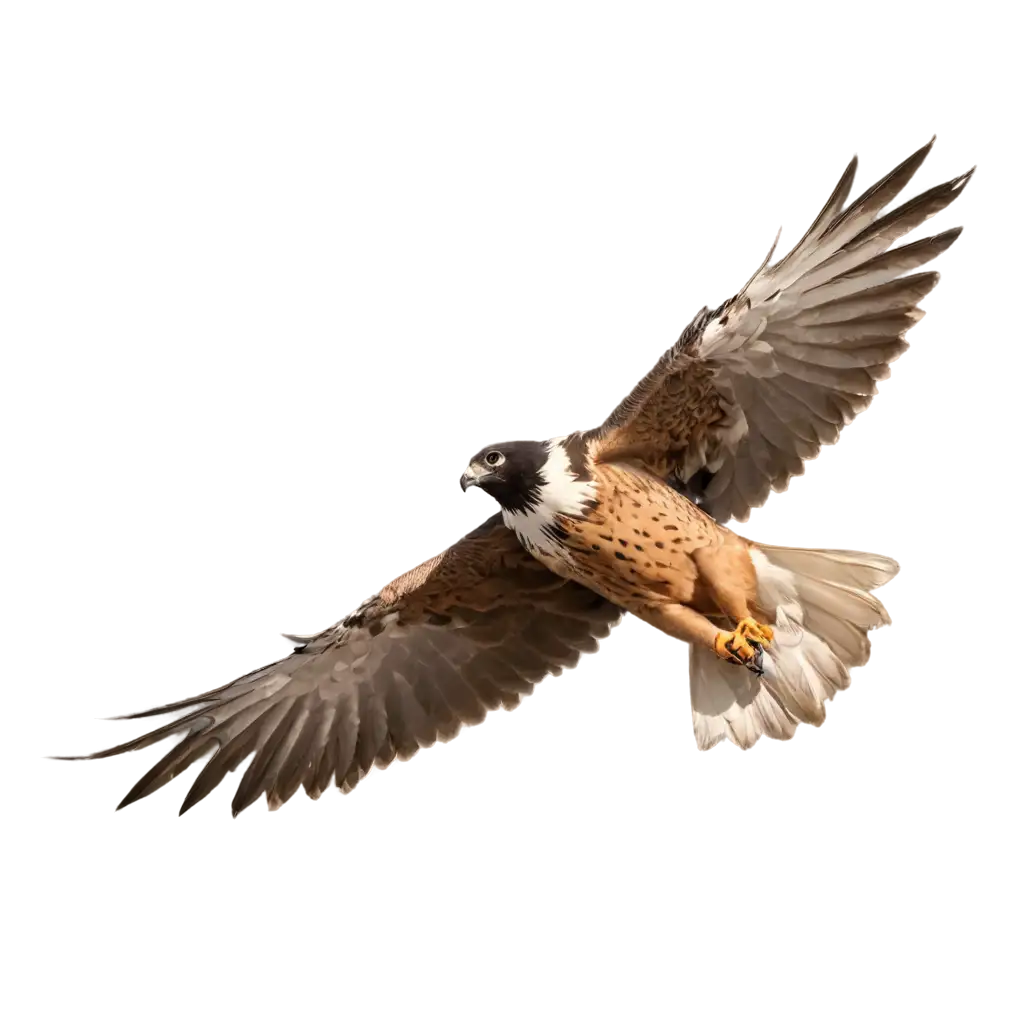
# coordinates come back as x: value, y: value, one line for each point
x: 271, y: 273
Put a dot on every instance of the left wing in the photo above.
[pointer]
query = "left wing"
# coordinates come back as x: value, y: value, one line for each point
x: 753, y: 389
x: 468, y: 631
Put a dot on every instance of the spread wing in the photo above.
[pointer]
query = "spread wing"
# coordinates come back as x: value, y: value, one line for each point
x: 471, y: 630
x: 756, y: 387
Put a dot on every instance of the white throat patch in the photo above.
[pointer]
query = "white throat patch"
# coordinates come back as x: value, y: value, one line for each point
x: 560, y: 494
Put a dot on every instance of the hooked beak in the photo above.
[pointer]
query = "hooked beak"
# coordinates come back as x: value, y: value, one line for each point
x: 473, y: 477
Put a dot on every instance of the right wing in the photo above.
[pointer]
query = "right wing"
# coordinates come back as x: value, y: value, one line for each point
x: 752, y: 390
x: 468, y: 631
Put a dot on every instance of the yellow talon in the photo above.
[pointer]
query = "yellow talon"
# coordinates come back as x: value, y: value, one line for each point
x: 751, y: 630
x: 735, y: 648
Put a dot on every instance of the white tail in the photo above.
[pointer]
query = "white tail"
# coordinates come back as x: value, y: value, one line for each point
x: 821, y: 609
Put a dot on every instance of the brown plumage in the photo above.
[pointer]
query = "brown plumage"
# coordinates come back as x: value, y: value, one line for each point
x: 648, y: 549
x: 624, y: 518
x: 643, y: 543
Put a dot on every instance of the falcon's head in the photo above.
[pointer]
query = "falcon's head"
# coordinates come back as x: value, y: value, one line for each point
x: 510, y: 472
x: 535, y: 478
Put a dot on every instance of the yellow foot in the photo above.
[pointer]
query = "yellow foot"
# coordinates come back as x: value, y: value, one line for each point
x: 741, y: 647
x: 751, y: 630
x: 735, y: 648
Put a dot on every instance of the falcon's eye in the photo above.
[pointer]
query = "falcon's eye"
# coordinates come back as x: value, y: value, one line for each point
x: 494, y: 458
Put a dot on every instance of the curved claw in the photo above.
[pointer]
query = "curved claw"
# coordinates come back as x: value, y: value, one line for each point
x: 750, y: 629
x: 741, y: 650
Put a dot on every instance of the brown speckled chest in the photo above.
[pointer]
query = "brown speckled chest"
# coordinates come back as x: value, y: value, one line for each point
x: 636, y: 547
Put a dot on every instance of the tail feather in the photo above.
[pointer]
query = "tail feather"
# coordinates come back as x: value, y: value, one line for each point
x: 734, y: 704
x: 851, y: 568
x: 821, y: 608
x: 841, y: 616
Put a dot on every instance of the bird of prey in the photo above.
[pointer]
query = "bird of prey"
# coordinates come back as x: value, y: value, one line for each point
x: 624, y: 518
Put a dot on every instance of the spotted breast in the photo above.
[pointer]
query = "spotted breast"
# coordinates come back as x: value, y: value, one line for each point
x: 620, y: 530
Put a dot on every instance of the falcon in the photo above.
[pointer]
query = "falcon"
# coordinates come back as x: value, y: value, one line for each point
x: 626, y: 518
